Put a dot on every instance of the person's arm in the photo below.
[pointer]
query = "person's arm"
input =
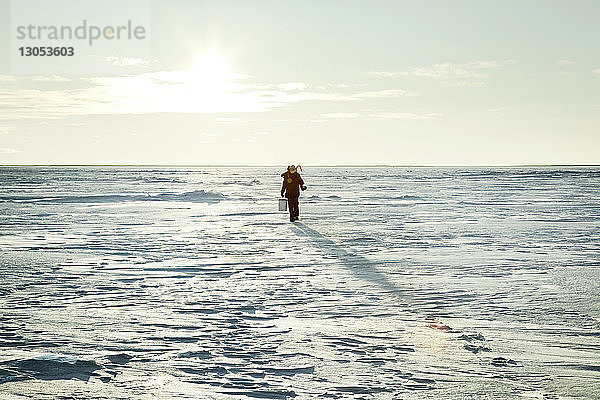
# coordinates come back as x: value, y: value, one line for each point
x: 302, y: 186
x: 283, y: 187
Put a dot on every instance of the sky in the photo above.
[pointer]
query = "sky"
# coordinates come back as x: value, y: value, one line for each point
x: 308, y: 82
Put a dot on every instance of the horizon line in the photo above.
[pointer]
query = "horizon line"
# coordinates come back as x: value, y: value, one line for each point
x: 308, y: 165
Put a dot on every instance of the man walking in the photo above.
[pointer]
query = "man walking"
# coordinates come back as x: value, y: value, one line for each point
x: 292, y: 182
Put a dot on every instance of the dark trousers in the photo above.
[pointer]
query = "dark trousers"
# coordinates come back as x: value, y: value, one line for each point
x: 293, y: 206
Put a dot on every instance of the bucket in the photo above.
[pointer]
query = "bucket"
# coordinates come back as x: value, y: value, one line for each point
x: 282, y: 204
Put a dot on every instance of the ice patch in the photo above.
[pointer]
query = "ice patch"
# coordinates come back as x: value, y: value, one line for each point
x: 253, y: 182
x: 57, y: 358
x: 503, y: 362
x: 121, y: 358
x: 196, y: 196
x: 195, y: 354
x: 475, y: 348
x: 162, y: 180
x: 307, y: 369
x: 402, y: 197
x: 48, y: 367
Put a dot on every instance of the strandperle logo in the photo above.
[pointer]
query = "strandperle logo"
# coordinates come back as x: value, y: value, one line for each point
x: 84, y: 31
x: 79, y: 37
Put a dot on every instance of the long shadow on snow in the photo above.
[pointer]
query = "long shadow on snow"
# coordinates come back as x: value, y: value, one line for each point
x: 360, y: 266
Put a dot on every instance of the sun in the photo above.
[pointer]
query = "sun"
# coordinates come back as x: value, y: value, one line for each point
x: 211, y: 73
x: 207, y: 85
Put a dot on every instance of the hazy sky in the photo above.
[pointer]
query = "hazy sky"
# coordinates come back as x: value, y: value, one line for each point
x: 320, y: 82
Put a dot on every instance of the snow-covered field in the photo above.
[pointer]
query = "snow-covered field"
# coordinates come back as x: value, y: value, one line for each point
x: 396, y: 283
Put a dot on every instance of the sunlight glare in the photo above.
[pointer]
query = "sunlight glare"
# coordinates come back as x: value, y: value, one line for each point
x: 211, y: 74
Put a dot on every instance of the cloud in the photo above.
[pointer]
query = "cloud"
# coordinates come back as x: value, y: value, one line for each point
x: 35, y: 78
x: 50, y: 78
x: 127, y: 61
x: 448, y: 70
x: 347, y: 85
x: 407, y: 115
x: 8, y: 78
x: 497, y: 109
x: 384, y: 74
x: 463, y: 83
x: 379, y: 94
x: 176, y: 91
x: 289, y: 86
x: 379, y: 115
x: 4, y: 150
x: 293, y: 86
x: 340, y: 115
x: 6, y: 129
x: 596, y: 71
x: 565, y: 63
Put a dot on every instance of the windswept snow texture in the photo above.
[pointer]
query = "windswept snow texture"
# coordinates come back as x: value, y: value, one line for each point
x: 396, y: 283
